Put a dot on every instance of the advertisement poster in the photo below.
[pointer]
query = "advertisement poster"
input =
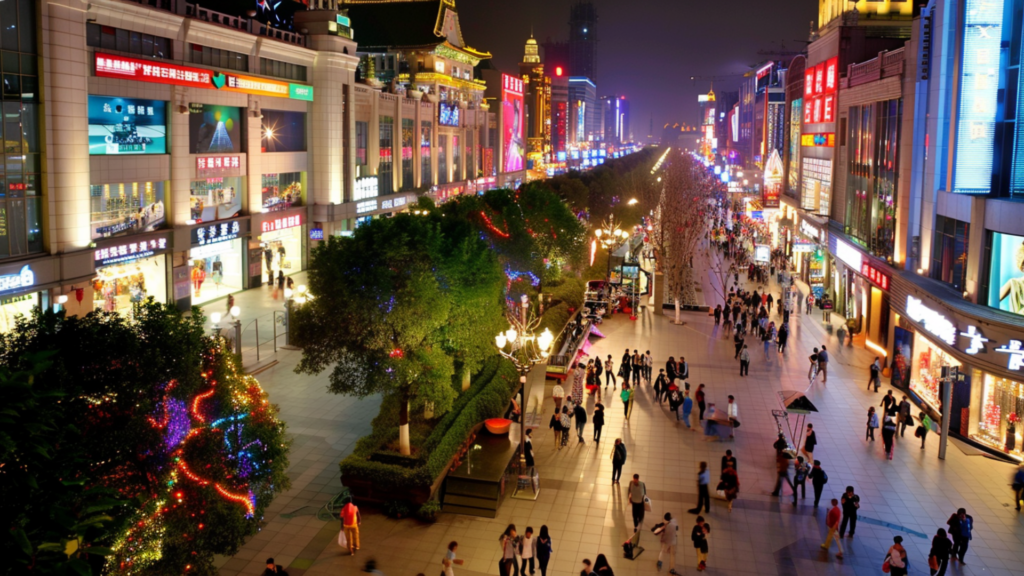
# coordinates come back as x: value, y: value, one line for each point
x: 119, y: 126
x: 116, y: 209
x: 1006, y: 273
x: 283, y: 131
x: 448, y: 114
x: 512, y: 128
x: 214, y: 129
x: 902, y: 352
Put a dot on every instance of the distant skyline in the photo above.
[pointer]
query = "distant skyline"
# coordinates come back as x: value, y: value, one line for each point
x: 649, y: 49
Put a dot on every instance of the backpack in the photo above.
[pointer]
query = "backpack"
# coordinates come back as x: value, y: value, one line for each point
x: 824, y: 476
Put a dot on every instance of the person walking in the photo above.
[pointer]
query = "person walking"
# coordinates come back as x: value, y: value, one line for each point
x: 509, y: 544
x: 625, y: 367
x: 737, y: 341
x: 897, y: 557
x: 823, y: 364
x: 769, y: 301
x: 598, y: 420
x: 729, y: 461
x: 638, y: 368
x: 579, y: 413
x: 904, y: 415
x: 818, y: 480
x: 1017, y: 485
x: 618, y: 459
x: 733, y: 411
x: 800, y: 471
x: 809, y: 443
x: 558, y: 395
x: 602, y: 567
x: 783, y: 337
x: 528, y: 448
x: 684, y: 369
x: 832, y: 523
x: 687, y: 408
x: 889, y: 404
x: 544, y: 550
x: 527, y: 551
x: 351, y: 518
x: 729, y: 483
x: 660, y: 386
x: 668, y: 534
x: 851, y: 503
x: 565, y: 422
x: 938, y: 556
x: 766, y: 341
x: 450, y: 560
x: 556, y: 426
x: 609, y: 373
x: 888, y: 434
x: 578, y: 378
x: 703, y: 496
x: 876, y: 375
x: 699, y: 536
x: 782, y: 475
x: 812, y: 371
x: 637, y: 494
x: 700, y: 398
x: 627, y: 396
x: 744, y: 362
x: 718, y: 314
x: 648, y: 365
x: 923, y: 428
x: 960, y: 525
x: 810, y: 302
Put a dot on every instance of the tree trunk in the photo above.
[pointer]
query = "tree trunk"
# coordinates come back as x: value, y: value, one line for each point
x: 403, y: 428
x: 465, y: 379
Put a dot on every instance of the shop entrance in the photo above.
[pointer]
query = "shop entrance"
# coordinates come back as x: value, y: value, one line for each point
x: 13, y: 307
x: 118, y: 287
x: 215, y: 270
x: 282, y: 252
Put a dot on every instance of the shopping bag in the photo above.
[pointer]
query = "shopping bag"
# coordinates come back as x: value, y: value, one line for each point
x: 647, y: 504
x: 342, y: 541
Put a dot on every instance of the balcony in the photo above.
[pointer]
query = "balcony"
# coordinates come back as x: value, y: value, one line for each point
x: 886, y: 64
x: 247, y: 25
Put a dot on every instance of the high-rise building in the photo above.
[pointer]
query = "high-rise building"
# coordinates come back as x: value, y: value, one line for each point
x: 584, y: 110
x: 615, y: 115
x: 583, y: 39
x: 559, y: 111
x: 537, y: 99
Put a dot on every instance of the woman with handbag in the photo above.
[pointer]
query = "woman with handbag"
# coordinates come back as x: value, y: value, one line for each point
x: 730, y: 485
x: 699, y: 535
x: 938, y: 557
x: 896, y: 559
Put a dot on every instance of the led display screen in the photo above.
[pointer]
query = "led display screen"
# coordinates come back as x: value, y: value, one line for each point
x: 1006, y: 273
x: 283, y: 131
x: 448, y: 114
x: 512, y: 122
x: 214, y: 129
x: 120, y: 126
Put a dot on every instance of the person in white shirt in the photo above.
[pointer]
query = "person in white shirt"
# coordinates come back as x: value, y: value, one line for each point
x: 527, y: 550
x: 734, y: 413
x: 668, y: 537
x: 450, y: 560
x: 648, y: 364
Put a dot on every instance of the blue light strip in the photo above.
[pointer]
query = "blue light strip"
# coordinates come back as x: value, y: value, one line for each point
x: 979, y: 83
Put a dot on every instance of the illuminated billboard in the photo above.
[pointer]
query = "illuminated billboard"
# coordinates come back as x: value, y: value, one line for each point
x: 1006, y: 273
x: 119, y: 126
x: 979, y: 85
x: 448, y: 114
x: 512, y: 122
x: 214, y: 129
x: 820, y: 83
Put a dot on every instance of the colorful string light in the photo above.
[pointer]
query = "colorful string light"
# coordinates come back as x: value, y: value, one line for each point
x: 490, y: 226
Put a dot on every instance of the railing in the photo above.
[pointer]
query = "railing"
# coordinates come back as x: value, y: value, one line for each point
x: 388, y: 97
x: 168, y: 5
x: 252, y: 26
x: 886, y: 64
x: 262, y: 345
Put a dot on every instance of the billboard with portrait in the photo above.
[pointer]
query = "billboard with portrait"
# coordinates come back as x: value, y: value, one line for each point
x: 214, y: 129
x: 512, y: 122
x: 448, y: 114
x: 1006, y: 273
x: 121, y: 126
x: 283, y: 131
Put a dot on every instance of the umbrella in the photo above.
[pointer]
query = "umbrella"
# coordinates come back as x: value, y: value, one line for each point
x: 796, y: 402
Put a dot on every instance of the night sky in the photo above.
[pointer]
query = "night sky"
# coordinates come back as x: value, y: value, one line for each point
x: 648, y: 49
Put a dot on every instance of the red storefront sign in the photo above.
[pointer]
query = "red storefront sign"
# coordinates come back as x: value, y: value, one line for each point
x: 110, y: 66
x: 281, y: 223
x: 876, y: 276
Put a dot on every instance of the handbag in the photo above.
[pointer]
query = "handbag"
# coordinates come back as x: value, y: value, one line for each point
x: 647, y: 504
x: 735, y: 423
x: 342, y: 541
x: 885, y: 565
x: 933, y: 563
x: 720, y: 493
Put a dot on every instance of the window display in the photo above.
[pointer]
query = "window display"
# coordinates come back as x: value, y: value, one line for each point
x: 926, y: 371
x: 214, y: 129
x: 282, y: 243
x: 125, y: 208
x: 117, y: 288
x: 282, y: 191
x: 14, y: 306
x: 1002, y: 404
x: 817, y: 185
x: 215, y: 270
x: 215, y: 198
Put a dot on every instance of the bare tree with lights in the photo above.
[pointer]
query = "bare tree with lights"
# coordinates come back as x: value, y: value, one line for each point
x: 683, y: 224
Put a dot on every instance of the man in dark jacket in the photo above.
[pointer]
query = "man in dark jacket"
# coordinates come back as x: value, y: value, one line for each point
x: 274, y: 569
x: 580, y: 414
x: 960, y: 526
x: 818, y: 480
x: 618, y: 459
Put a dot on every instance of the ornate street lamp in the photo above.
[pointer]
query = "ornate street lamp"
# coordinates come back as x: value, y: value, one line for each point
x: 610, y: 236
x: 524, y: 347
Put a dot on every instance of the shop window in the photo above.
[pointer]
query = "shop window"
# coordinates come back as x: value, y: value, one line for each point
x: 283, y: 131
x: 442, y: 159
x: 13, y: 307
x: 385, y: 167
x: 218, y: 58
x: 282, y: 191
x: 425, y: 175
x: 20, y: 205
x: 872, y: 175
x: 116, y: 209
x: 917, y: 366
x: 408, y: 136
x: 362, y: 139
x: 119, y: 287
x: 110, y: 38
x: 470, y: 156
x: 285, y: 70
x: 949, y: 252
x: 998, y: 416
x: 215, y: 270
x: 215, y: 199
x: 456, y: 160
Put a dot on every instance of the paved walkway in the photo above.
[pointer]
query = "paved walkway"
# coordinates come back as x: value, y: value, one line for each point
x: 911, y: 495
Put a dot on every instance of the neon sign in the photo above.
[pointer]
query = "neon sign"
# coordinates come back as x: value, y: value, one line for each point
x: 933, y: 322
x: 23, y: 279
x: 848, y: 254
x: 128, y: 252
x: 875, y: 275
x: 979, y: 84
x: 826, y: 139
x: 282, y: 223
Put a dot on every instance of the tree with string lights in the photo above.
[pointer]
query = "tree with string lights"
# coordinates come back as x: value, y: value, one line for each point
x: 163, y: 454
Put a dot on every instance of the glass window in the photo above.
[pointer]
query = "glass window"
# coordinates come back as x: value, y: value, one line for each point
x: 949, y: 252
x: 425, y: 176
x: 117, y: 209
x: 442, y: 159
x: 281, y: 191
x: 362, y: 138
x: 384, y: 168
x: 283, y: 131
x: 280, y: 69
x: 215, y: 198
x: 121, y: 40
x: 456, y: 160
x: 408, y: 133
x: 110, y: 38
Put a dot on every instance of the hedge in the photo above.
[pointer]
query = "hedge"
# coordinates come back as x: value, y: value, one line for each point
x: 487, y: 398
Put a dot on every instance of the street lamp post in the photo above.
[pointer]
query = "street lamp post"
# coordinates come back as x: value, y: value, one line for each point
x: 609, y: 235
x: 524, y: 347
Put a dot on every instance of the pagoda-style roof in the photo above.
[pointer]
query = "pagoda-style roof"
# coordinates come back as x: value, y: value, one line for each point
x: 399, y: 24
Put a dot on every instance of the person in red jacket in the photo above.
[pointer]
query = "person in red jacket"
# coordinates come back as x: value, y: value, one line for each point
x: 832, y: 522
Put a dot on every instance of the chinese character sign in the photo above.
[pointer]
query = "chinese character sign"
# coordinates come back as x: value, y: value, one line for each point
x: 979, y: 85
